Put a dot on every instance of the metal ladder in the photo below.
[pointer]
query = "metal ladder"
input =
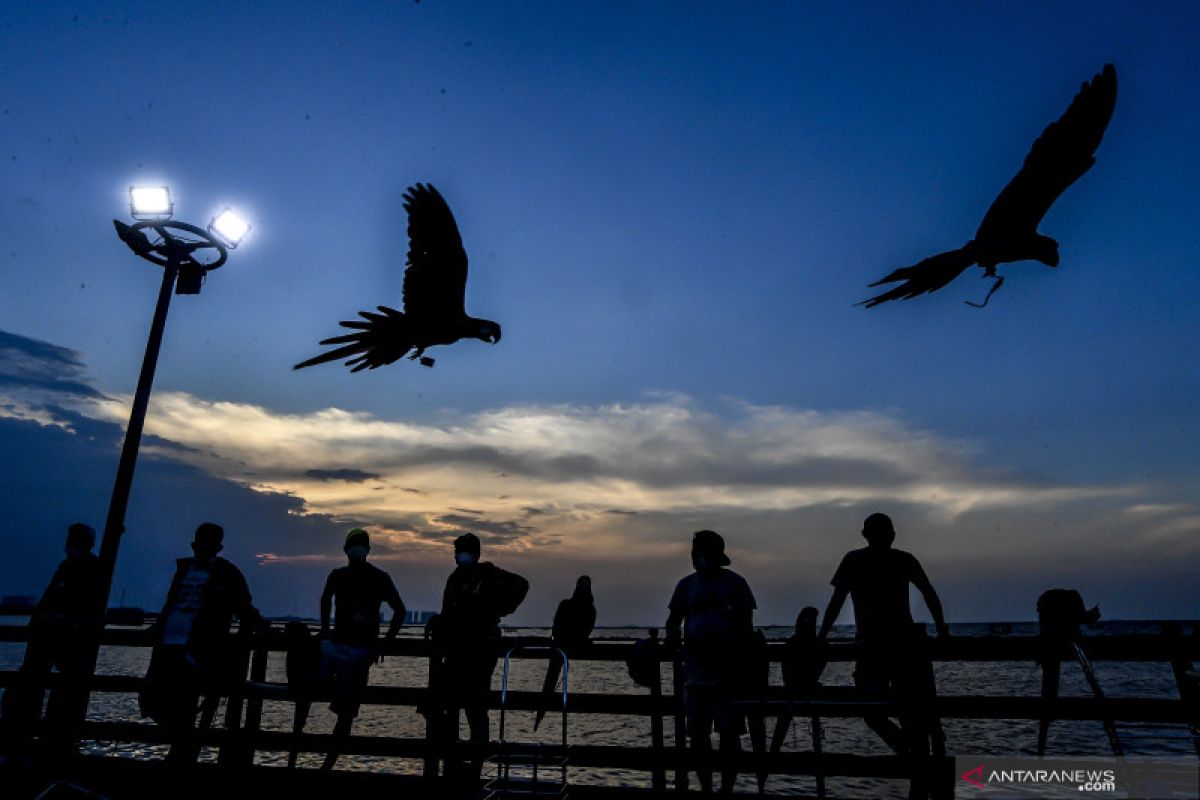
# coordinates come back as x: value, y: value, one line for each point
x: 530, y: 769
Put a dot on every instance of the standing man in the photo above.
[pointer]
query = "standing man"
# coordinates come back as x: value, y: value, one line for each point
x: 715, y: 608
x: 890, y: 659
x: 358, y: 590
x: 195, y: 653
x: 61, y: 627
x: 466, y: 637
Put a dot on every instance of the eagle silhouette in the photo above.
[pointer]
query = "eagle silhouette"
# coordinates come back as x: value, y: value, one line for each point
x: 1063, y: 152
x: 435, y: 282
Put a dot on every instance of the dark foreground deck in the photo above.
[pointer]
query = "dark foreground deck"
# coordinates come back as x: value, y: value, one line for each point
x: 239, y: 736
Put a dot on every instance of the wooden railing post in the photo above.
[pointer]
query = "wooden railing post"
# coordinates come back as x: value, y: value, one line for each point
x: 228, y: 754
x: 1185, y: 678
x: 433, y: 719
x: 681, y: 742
x: 258, y: 674
x: 658, y: 774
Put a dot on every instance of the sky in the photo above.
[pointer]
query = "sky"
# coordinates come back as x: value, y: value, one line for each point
x: 672, y: 209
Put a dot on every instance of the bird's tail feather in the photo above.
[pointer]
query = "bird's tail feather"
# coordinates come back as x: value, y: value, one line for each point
x: 332, y: 355
x: 925, y: 276
x: 349, y: 337
x: 377, y: 339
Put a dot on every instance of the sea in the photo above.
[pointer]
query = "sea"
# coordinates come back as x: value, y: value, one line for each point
x: 992, y: 737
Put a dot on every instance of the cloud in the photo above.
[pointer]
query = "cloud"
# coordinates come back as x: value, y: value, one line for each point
x: 32, y: 364
x: 348, y: 475
x: 569, y: 461
x: 611, y: 490
x: 37, y: 378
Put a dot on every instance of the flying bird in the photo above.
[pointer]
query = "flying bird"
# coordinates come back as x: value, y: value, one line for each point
x: 1063, y: 152
x: 435, y: 283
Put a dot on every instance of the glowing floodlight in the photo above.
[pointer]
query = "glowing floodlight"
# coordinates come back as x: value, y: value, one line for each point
x: 150, y: 202
x: 229, y: 227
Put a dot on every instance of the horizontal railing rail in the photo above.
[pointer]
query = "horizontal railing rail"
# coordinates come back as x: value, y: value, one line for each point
x: 244, y: 732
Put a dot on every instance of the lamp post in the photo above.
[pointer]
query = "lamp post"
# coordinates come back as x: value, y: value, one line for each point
x: 182, y: 250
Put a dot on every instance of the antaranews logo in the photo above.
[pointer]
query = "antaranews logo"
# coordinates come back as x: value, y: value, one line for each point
x: 984, y: 776
x: 974, y: 777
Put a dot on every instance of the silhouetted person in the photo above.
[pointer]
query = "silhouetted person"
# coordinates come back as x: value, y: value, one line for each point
x: 195, y: 652
x: 62, y: 630
x: 1059, y: 157
x: 466, y: 636
x: 357, y: 590
x: 891, y: 657
x: 714, y: 607
x: 574, y: 621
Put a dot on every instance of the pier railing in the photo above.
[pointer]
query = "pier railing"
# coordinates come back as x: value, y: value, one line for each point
x: 241, y: 735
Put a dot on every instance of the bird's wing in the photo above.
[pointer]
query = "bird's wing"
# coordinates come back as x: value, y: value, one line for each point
x: 435, y: 279
x: 926, y: 275
x: 1060, y: 155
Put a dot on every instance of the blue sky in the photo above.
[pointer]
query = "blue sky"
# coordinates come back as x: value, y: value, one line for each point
x: 671, y: 209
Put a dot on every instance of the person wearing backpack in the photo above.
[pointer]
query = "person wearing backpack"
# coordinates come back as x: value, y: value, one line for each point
x: 466, y: 639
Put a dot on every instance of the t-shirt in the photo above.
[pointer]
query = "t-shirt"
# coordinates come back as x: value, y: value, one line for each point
x: 713, y: 605
x: 877, y: 579
x: 181, y: 614
x: 73, y: 596
x: 358, y: 591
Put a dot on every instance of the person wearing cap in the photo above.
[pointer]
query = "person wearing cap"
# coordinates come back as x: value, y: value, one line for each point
x: 876, y: 578
x: 713, y: 610
x: 466, y: 637
x: 61, y: 627
x: 356, y: 591
x: 195, y: 652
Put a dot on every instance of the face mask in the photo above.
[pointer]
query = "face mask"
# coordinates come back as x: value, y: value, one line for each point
x: 699, y: 562
x: 358, y: 551
x: 464, y: 559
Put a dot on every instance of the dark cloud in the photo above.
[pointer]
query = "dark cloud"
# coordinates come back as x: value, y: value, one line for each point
x: 150, y: 441
x: 348, y: 475
x: 58, y: 474
x: 62, y: 476
x: 499, y: 532
x: 31, y: 364
x: 726, y: 466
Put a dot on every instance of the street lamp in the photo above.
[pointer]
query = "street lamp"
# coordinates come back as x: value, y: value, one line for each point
x: 150, y: 202
x: 229, y: 228
x: 186, y: 252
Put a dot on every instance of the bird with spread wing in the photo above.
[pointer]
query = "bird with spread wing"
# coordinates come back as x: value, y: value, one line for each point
x: 435, y: 284
x: 1063, y: 152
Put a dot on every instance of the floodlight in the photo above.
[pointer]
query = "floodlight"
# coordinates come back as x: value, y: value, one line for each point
x: 150, y: 202
x: 229, y: 227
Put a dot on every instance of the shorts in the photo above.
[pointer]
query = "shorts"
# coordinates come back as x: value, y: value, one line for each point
x: 347, y: 666
x: 709, y: 705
